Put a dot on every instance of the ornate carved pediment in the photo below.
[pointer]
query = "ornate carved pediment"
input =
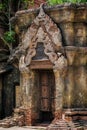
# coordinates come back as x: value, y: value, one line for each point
x: 42, y: 30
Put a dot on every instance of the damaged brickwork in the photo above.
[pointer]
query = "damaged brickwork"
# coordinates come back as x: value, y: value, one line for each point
x: 60, y: 32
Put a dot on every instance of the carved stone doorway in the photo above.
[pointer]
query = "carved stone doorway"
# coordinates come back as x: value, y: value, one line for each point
x: 40, y: 51
x: 47, y: 94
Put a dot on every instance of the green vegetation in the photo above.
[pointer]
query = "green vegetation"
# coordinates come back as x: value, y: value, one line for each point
x: 8, y: 9
x: 1, y: 6
x: 27, y: 3
x: 8, y: 37
x: 54, y: 2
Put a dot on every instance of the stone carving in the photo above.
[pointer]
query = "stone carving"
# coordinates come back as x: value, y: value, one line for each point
x: 61, y: 62
x: 22, y: 66
x: 43, y: 30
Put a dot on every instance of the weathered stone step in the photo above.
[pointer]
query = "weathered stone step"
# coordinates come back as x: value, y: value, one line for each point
x: 66, y: 125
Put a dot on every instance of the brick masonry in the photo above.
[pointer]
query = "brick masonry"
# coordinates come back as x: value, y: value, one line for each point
x: 71, y: 90
x: 66, y: 80
x: 37, y: 3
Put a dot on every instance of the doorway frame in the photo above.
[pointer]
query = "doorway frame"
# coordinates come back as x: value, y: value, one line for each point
x: 27, y: 82
x: 51, y: 111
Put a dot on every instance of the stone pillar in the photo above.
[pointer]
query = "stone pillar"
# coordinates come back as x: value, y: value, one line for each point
x: 26, y: 83
x: 70, y: 85
x: 59, y: 86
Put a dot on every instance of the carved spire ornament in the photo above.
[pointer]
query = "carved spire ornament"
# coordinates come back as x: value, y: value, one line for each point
x: 42, y: 30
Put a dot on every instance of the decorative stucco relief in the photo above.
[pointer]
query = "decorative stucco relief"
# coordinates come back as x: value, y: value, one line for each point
x: 42, y: 30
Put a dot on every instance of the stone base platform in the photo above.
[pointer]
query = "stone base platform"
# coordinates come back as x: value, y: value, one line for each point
x: 72, y: 119
x: 67, y: 125
x: 75, y: 114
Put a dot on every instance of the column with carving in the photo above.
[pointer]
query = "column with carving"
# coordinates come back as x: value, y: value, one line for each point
x: 60, y: 68
x: 26, y: 83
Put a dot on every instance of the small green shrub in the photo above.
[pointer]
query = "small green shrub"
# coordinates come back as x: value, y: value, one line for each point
x: 2, y: 7
x: 9, y: 36
x: 54, y: 2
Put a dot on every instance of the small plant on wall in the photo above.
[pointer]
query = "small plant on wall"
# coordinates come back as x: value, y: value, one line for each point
x: 54, y: 2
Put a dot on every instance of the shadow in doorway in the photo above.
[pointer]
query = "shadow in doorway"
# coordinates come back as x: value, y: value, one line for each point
x: 46, y: 116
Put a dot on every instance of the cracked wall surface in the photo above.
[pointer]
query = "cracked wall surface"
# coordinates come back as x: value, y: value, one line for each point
x: 65, y: 45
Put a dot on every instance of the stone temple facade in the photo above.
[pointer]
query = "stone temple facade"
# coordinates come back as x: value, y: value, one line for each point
x: 52, y: 61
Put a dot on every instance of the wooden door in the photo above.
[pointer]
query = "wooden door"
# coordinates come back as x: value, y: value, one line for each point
x: 47, y: 87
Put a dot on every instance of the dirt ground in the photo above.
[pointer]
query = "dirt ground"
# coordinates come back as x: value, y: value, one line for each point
x: 24, y: 128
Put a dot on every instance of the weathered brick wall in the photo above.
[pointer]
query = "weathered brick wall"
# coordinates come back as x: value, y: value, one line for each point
x: 10, y: 80
x: 73, y: 34
x: 37, y: 3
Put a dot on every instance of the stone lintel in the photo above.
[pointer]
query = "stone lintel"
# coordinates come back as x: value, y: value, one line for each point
x: 41, y: 64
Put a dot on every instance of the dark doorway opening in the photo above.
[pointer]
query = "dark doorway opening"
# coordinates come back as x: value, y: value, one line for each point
x: 46, y: 116
x: 47, y: 95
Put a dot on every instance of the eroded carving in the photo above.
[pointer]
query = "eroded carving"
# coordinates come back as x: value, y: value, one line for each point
x: 43, y: 30
x: 22, y: 66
